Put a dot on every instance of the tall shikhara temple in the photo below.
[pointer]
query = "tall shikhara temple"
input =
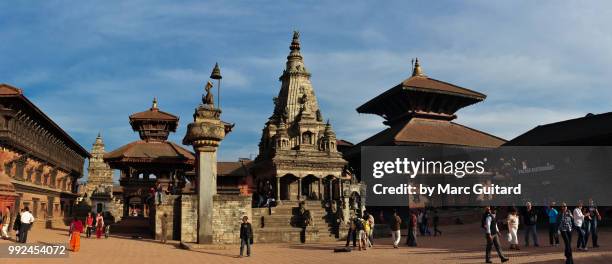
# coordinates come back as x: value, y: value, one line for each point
x: 298, y: 148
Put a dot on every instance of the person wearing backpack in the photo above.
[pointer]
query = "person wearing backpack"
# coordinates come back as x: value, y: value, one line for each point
x: 492, y: 235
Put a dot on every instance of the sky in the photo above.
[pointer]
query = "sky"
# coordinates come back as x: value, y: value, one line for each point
x: 90, y: 64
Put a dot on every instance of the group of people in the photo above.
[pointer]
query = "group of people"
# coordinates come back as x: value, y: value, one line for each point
x: 561, y: 223
x: 21, y: 226
x: 360, y: 231
x: 76, y: 229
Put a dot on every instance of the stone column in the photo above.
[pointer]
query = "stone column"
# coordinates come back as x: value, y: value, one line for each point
x: 320, y: 194
x: 299, y: 192
x: 205, y: 134
x: 277, y: 189
x: 331, y: 189
x: 49, y: 220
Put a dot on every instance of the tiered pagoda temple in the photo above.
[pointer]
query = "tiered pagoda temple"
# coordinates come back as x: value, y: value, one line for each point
x: 149, y: 161
x: 420, y: 111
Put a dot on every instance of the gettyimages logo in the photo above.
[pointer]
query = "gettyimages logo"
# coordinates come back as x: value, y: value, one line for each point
x: 504, y: 176
x: 412, y: 168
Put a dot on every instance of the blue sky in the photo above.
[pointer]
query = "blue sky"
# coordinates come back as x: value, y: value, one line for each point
x: 90, y: 65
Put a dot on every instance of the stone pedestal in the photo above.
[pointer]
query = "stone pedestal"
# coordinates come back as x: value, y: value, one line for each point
x: 204, y: 134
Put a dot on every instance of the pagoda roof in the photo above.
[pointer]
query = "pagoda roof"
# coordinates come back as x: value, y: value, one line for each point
x: 421, y: 95
x: 590, y: 130
x: 150, y: 151
x: 153, y: 114
x: 423, y: 131
x: 234, y: 168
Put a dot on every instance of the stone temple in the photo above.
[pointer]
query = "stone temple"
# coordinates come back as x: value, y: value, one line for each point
x: 299, y: 164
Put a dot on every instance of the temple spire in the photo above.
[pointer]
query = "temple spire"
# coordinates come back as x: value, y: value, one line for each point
x: 154, y: 107
x: 417, y: 71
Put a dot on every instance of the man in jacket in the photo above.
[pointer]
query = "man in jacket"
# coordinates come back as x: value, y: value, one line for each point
x: 246, y: 235
x: 491, y: 235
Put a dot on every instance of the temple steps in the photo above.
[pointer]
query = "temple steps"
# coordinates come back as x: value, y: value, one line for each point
x: 282, y: 224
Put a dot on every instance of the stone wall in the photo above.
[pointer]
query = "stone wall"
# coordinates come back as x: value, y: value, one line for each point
x: 189, y: 218
x: 228, y: 211
x: 167, y: 207
x: 227, y: 214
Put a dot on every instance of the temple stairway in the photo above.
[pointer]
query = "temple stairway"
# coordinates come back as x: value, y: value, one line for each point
x: 283, y: 224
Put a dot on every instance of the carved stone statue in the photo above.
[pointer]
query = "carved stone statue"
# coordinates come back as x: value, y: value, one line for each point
x: 208, y: 99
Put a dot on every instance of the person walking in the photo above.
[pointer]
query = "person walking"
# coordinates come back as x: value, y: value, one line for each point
x: 26, y: 223
x: 75, y: 237
x: 395, y: 229
x: 411, y: 241
x: 99, y: 225
x: 88, y: 224
x: 371, y: 233
x: 553, y: 225
x: 246, y: 235
x: 17, y: 225
x: 6, y: 221
x: 565, y: 227
x: 352, y: 232
x: 595, y: 218
x: 164, y: 227
x: 530, y: 219
x: 359, y: 227
x: 491, y: 235
x: 366, y: 232
x: 420, y: 223
x: 513, y: 225
x: 578, y: 221
x: 436, y: 222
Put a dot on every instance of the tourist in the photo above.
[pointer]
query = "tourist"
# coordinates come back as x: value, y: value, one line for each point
x: 158, y: 193
x: 425, y: 223
x: 17, y: 225
x: 89, y: 224
x: 595, y: 218
x: 553, y: 225
x: 420, y: 223
x: 578, y: 225
x: 565, y: 227
x: 246, y: 235
x: 371, y: 233
x: 75, y: 237
x: 366, y: 230
x: 395, y: 229
x: 99, y: 225
x: 411, y: 241
x: 359, y: 228
x: 26, y: 222
x: 436, y: 222
x: 530, y: 219
x: 352, y: 232
x: 164, y: 227
x: 6, y: 221
x: 491, y: 235
x: 513, y: 225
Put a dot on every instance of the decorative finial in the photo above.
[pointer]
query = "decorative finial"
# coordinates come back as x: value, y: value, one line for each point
x: 417, y: 71
x: 216, y: 72
x: 99, y: 134
x: 154, y: 107
x: 295, y: 43
x: 208, y: 99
